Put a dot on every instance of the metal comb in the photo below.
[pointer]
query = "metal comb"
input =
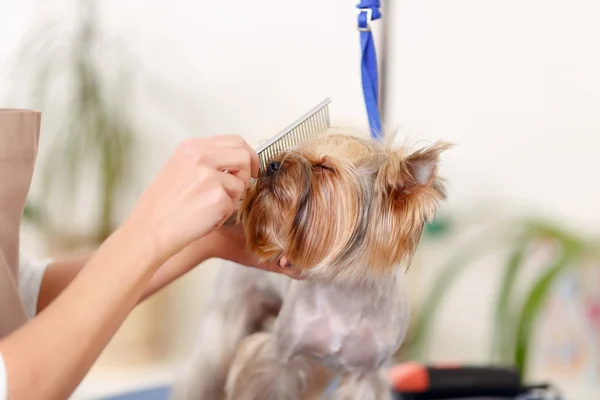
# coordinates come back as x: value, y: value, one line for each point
x: 309, y: 125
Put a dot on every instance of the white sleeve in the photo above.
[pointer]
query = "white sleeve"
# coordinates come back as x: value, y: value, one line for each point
x: 3, y: 380
x: 31, y: 273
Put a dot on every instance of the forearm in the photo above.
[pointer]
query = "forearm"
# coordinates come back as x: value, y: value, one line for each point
x: 59, y: 274
x: 62, y: 271
x: 49, y: 356
x: 179, y: 265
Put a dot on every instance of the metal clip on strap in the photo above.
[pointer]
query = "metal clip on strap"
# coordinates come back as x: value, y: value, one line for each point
x: 365, y: 16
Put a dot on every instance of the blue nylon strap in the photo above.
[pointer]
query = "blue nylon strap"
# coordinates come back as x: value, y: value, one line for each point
x: 369, y: 11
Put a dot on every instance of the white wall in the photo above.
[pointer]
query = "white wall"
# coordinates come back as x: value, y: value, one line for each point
x: 515, y: 84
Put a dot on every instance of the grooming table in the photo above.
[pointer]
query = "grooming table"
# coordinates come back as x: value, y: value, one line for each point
x: 157, y: 393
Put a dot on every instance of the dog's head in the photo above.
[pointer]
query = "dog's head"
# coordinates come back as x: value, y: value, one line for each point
x: 339, y: 206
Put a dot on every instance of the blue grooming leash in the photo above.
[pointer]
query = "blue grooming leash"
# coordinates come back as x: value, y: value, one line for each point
x: 368, y: 11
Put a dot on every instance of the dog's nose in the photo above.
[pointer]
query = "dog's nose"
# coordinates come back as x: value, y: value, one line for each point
x: 273, y: 167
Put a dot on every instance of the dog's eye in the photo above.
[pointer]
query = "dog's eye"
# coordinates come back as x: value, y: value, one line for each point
x: 323, y: 167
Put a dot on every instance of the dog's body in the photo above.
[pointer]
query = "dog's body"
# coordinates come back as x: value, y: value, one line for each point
x: 345, y: 212
x: 320, y: 332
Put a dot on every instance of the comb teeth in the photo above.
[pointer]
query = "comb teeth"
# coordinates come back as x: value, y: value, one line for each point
x: 306, y: 127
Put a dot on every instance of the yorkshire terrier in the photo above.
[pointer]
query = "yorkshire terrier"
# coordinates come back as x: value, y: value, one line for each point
x: 341, y: 215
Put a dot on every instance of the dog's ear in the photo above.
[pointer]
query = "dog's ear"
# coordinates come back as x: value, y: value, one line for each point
x: 423, y: 164
x: 401, y: 174
x: 408, y: 191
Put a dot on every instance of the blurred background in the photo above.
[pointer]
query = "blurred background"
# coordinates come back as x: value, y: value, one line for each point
x: 509, y: 271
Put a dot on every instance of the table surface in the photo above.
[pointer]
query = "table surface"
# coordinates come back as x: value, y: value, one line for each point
x: 158, y: 393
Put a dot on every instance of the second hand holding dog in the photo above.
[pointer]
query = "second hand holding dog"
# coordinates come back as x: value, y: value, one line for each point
x: 229, y: 243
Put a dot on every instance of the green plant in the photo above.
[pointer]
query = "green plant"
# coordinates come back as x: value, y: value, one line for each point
x: 94, y: 135
x: 515, y: 313
x: 516, y: 319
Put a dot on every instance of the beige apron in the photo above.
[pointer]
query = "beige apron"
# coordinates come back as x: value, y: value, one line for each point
x: 19, y: 134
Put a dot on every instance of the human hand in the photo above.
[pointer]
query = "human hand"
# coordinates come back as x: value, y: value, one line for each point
x: 229, y: 243
x: 195, y: 192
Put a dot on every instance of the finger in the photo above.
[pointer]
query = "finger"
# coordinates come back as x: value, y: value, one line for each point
x: 219, y: 224
x: 235, y: 141
x: 254, y: 162
x: 233, y: 185
x: 236, y: 161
